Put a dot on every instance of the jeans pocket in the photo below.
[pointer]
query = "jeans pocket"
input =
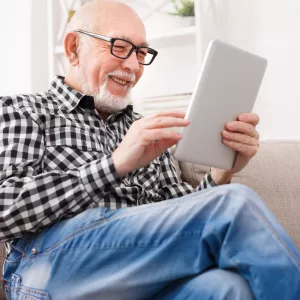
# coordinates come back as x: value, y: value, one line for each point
x: 16, y: 291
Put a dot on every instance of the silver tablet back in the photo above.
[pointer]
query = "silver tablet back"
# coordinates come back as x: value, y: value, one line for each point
x: 227, y: 86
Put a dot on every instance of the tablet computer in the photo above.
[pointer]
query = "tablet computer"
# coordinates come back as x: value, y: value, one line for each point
x: 227, y: 86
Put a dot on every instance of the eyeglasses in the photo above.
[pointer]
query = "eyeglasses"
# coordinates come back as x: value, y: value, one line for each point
x: 123, y: 49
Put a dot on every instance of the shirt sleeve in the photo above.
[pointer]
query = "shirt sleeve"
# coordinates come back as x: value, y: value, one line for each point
x: 171, y: 186
x: 31, y: 199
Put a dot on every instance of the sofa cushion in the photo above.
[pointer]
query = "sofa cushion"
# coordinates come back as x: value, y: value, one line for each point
x: 274, y: 173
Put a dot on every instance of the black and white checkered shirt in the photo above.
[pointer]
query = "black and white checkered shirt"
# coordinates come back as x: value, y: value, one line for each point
x: 56, y: 161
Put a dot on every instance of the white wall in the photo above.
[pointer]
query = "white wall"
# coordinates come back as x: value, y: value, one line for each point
x: 278, y: 39
x: 270, y: 28
x: 39, y: 46
x: 15, y: 47
x: 23, y: 51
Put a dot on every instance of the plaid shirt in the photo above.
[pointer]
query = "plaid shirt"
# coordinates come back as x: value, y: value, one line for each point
x: 56, y: 161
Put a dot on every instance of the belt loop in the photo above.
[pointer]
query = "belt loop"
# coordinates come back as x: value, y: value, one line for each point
x: 22, y: 244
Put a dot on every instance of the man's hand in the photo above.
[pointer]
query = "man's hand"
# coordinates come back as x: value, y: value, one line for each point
x: 242, y: 136
x: 146, y: 139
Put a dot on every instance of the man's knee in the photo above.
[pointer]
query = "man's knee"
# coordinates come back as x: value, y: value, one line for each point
x: 239, y: 189
x: 222, y: 284
x: 237, y: 194
x: 231, y: 199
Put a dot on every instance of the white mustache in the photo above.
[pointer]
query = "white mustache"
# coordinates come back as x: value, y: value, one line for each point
x: 126, y: 75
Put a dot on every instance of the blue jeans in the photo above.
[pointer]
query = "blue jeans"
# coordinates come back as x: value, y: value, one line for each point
x: 220, y: 243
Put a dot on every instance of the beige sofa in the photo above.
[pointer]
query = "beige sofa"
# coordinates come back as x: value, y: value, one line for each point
x: 274, y: 174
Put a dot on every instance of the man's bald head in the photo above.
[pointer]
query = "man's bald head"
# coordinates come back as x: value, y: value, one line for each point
x: 99, y: 15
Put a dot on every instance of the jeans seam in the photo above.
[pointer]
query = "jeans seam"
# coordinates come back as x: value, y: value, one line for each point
x: 183, y: 236
x: 270, y: 227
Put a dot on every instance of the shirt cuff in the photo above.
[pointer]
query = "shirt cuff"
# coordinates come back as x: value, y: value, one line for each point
x: 209, y: 179
x: 206, y: 182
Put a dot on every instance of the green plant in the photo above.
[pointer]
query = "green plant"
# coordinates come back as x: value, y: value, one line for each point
x: 185, y: 9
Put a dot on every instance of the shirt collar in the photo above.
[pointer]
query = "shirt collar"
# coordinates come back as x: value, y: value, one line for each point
x: 67, y: 96
x: 71, y: 98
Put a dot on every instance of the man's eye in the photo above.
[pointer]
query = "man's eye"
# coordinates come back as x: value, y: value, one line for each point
x: 142, y: 53
x: 119, y: 47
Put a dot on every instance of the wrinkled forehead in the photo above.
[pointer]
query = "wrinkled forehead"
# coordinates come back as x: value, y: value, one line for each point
x: 126, y: 26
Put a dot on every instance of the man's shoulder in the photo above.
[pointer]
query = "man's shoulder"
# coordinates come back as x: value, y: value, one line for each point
x: 39, y: 102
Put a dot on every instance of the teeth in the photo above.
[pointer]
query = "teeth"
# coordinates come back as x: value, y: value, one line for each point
x: 119, y: 80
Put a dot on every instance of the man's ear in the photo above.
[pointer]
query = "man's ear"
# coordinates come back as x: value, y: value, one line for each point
x: 71, y: 48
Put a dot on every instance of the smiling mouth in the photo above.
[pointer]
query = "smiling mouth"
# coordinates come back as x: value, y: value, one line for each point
x: 118, y: 80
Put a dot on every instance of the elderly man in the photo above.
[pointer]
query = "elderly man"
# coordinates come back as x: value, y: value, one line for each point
x: 82, y: 189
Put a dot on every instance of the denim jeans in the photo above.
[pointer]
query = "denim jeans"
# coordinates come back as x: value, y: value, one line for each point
x: 219, y: 243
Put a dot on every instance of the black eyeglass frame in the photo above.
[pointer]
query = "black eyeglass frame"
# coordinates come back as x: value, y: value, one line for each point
x: 112, y: 41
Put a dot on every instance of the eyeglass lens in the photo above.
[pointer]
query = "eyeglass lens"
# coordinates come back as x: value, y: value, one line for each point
x: 121, y: 49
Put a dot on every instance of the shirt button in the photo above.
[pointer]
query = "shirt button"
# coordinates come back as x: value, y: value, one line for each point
x: 33, y: 251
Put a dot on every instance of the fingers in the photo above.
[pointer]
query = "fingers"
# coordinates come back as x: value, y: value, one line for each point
x: 242, y: 127
x: 157, y: 128
x: 148, y: 126
x: 240, y: 138
x: 244, y: 149
x: 176, y: 114
x: 165, y: 144
x: 250, y: 118
x: 165, y: 122
x: 160, y: 134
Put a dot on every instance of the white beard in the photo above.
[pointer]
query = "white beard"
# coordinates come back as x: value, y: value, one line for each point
x: 103, y: 99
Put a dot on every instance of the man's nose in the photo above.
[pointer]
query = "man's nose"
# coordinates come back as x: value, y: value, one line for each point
x: 131, y: 63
